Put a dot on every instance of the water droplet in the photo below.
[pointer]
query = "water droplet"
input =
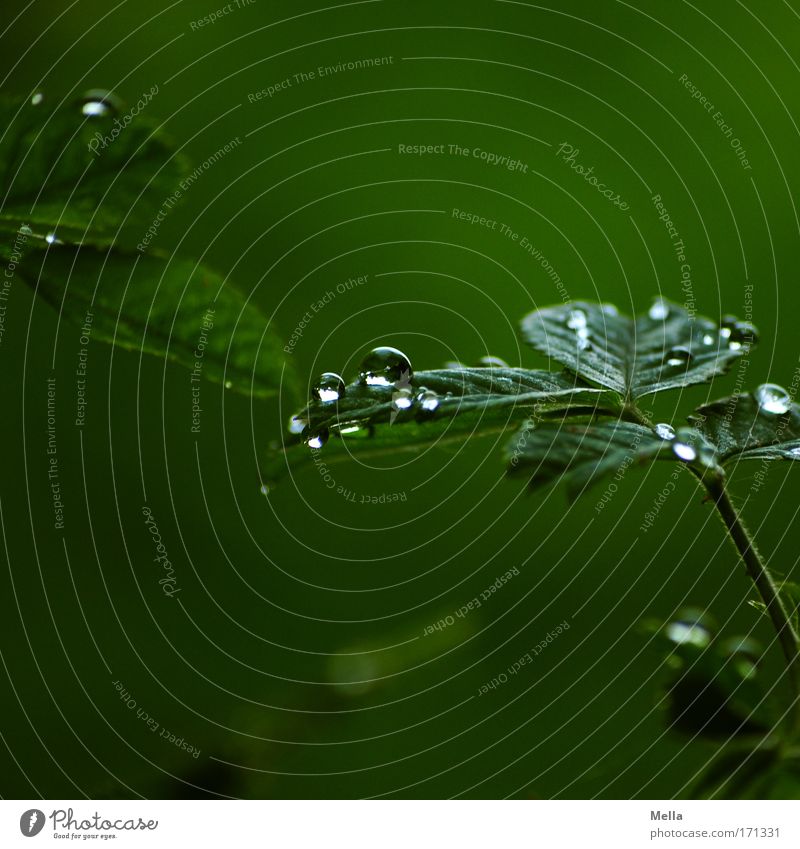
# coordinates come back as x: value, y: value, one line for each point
x: 609, y: 309
x: 690, y: 633
x: 402, y: 399
x: 229, y: 384
x: 318, y: 438
x: 794, y: 453
x: 773, y: 399
x: 726, y: 324
x: 99, y: 103
x: 37, y: 98
x: 492, y: 362
x: 428, y: 400
x: 353, y: 429
x: 50, y: 238
x: 264, y: 489
x: 708, y: 339
x: 678, y: 356
x: 385, y: 366
x: 664, y: 430
x: 684, y: 451
x: 659, y: 310
x: 297, y: 424
x: 582, y: 337
x: 741, y: 334
x: 454, y: 365
x: 330, y: 387
x: 24, y: 230
x: 576, y: 320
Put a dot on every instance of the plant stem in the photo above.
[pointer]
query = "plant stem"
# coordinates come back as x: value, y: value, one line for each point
x: 765, y: 584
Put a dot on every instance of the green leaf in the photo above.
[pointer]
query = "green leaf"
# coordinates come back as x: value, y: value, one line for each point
x: 666, y: 348
x: 742, y: 429
x: 57, y: 178
x: 168, y: 307
x: 582, y: 453
x: 466, y: 402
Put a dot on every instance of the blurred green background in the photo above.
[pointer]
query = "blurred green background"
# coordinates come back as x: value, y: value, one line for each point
x: 295, y: 657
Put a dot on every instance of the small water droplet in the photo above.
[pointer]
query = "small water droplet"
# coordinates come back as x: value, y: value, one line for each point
x: 454, y: 365
x: 229, y: 384
x: 773, y: 399
x: 576, y: 320
x: 691, y: 633
x: 50, y: 238
x: 318, y: 438
x: 582, y: 338
x: 37, y: 98
x: 492, y: 362
x: 402, y: 399
x: 659, y: 310
x: 741, y: 334
x: 98, y: 103
x: 329, y: 387
x: 24, y: 230
x: 684, y: 451
x: 678, y: 356
x: 264, y: 489
x: 297, y: 424
x: 428, y: 400
x: 664, y: 430
x: 708, y: 339
x: 385, y: 366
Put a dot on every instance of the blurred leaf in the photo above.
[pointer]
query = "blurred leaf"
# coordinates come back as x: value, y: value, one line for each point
x: 582, y: 453
x: 662, y: 349
x: 55, y: 177
x: 742, y: 429
x: 710, y: 685
x: 733, y: 773
x: 461, y: 403
x: 171, y: 308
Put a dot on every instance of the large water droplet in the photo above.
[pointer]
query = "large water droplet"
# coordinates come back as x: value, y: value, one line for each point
x: 402, y: 399
x: 318, y: 438
x: 385, y: 366
x: 329, y: 387
x: 773, y: 399
x: 99, y: 103
x: 678, y: 356
x: 794, y: 453
x: 684, y: 451
x: 659, y: 310
x: 492, y: 362
x: 664, y: 430
x: 428, y: 400
x: 576, y: 320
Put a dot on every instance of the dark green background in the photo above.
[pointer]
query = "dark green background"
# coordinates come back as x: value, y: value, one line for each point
x: 286, y: 599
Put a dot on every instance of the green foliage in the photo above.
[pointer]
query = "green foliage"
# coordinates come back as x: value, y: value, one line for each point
x: 79, y: 193
x: 665, y: 348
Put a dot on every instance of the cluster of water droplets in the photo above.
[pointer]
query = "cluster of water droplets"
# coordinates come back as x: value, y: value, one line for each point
x: 381, y: 368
